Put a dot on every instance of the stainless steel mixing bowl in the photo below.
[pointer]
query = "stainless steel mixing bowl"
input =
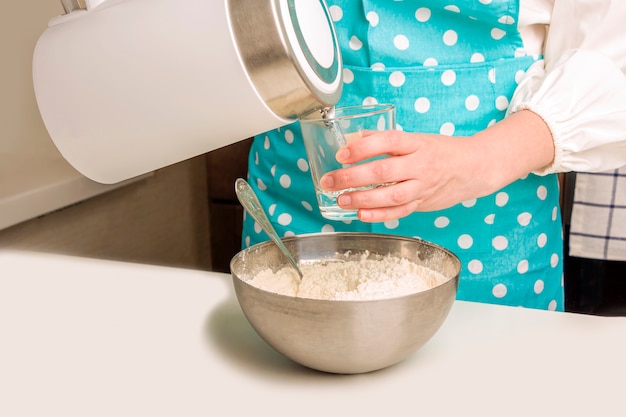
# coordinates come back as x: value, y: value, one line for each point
x: 345, y: 337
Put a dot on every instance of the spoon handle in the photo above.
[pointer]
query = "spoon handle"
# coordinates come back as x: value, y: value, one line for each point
x: 251, y: 203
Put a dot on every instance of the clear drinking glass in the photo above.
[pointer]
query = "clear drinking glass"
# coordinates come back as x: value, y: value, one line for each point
x: 323, y: 136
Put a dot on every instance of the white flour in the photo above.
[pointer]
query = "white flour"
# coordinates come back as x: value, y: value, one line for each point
x: 362, y: 279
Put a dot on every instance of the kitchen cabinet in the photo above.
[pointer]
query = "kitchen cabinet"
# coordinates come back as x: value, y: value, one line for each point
x: 224, y: 166
x: 161, y: 219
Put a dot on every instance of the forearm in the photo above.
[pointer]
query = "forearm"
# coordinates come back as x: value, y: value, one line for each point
x: 511, y: 149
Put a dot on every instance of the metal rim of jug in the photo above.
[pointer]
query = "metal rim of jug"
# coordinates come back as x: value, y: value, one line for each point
x: 287, y: 77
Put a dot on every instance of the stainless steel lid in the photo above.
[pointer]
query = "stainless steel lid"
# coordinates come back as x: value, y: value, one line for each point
x: 290, y: 51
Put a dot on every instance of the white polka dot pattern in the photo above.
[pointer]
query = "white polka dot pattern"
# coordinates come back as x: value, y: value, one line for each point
x: 499, y: 290
x: 522, y: 266
x: 397, y: 79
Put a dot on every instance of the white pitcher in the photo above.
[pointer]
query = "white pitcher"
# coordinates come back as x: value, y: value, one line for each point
x: 125, y: 87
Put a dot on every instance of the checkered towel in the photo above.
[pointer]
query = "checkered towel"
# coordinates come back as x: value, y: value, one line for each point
x: 598, y: 222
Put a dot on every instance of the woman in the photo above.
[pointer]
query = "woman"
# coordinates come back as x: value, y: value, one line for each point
x: 495, y: 123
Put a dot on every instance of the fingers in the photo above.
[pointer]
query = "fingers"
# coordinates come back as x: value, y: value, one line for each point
x: 389, y: 146
x: 383, y: 203
x: 376, y: 143
x: 392, y: 201
x: 419, y: 168
x: 382, y: 171
x: 385, y: 196
x: 384, y: 214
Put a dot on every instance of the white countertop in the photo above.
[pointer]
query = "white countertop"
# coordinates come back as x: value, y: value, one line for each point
x: 83, y: 337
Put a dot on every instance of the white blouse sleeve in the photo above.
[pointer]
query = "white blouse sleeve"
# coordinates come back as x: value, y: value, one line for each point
x: 579, y: 88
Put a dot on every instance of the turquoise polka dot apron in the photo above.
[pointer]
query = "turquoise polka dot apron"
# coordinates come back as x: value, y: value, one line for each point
x: 450, y: 68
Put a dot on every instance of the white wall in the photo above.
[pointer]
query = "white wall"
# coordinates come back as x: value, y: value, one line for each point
x: 21, y: 128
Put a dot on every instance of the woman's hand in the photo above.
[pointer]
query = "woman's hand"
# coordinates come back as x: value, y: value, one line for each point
x: 433, y: 172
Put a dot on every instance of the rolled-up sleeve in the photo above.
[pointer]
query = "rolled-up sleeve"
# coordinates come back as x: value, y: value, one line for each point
x: 579, y: 87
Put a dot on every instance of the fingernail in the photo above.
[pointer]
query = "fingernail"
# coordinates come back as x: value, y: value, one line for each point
x: 344, y: 200
x: 365, y: 215
x: 327, y: 181
x: 342, y: 155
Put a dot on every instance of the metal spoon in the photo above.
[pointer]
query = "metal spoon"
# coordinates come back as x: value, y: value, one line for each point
x: 250, y: 202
